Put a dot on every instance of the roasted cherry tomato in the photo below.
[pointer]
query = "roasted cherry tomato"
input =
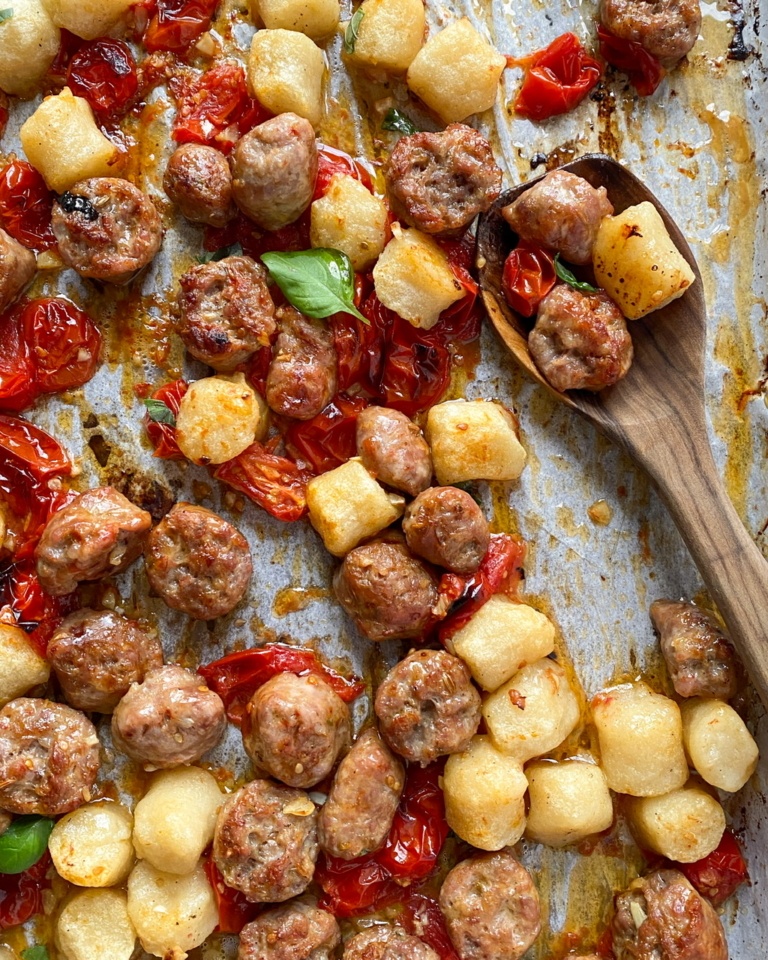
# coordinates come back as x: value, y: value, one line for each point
x: 394, y: 362
x: 529, y: 275
x: 163, y: 435
x: 273, y: 482
x: 234, y: 910
x: 644, y: 71
x: 21, y: 894
x: 178, y: 23
x: 255, y: 241
x: 717, y: 875
x: 69, y: 44
x: 419, y: 830
x: 327, y: 440
x: 50, y: 344
x: 556, y: 79
x: 422, y: 917
x: 25, y: 206
x: 103, y: 72
x: 500, y: 571
x: 237, y: 676
x: 30, y: 461
x: 64, y: 341
x: 214, y: 108
x: 330, y: 162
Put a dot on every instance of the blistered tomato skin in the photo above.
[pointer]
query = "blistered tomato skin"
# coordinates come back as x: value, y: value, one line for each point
x: 104, y: 73
x: 178, y: 23
x: 25, y: 206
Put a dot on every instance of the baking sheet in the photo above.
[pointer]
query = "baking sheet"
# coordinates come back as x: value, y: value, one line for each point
x: 700, y: 145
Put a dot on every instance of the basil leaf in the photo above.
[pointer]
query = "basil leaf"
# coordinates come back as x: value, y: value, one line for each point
x: 233, y: 250
x: 317, y: 282
x: 567, y: 277
x: 6, y: 14
x: 350, y: 34
x: 23, y: 843
x: 38, y: 952
x: 399, y: 122
x: 160, y: 412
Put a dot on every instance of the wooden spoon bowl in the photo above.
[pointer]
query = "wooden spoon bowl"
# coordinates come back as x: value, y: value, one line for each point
x: 657, y: 414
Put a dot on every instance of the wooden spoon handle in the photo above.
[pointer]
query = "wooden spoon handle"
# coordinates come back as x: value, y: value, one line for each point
x: 736, y: 574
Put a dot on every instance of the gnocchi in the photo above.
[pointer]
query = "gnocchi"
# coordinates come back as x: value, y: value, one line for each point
x: 414, y: 278
x: 95, y: 924
x: 175, y: 818
x: 315, y: 18
x: 347, y: 506
x: 21, y: 666
x: 29, y: 41
x: 533, y: 712
x: 457, y: 72
x: 62, y: 141
x: 91, y: 846
x: 719, y: 746
x: 88, y: 18
x: 351, y: 219
x: 484, y: 793
x: 285, y: 73
x: 171, y: 914
x: 641, y: 740
x: 636, y: 262
x: 568, y: 801
x: 390, y: 34
x: 219, y: 417
x: 501, y: 638
x: 685, y: 824
x: 474, y: 440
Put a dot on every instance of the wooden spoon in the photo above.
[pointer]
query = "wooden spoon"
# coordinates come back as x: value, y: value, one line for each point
x: 657, y: 414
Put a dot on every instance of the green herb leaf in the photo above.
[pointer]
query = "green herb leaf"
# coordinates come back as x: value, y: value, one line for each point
x: 23, y: 843
x: 567, y: 277
x: 350, y: 34
x: 317, y: 282
x: 38, y: 952
x: 399, y: 122
x: 160, y: 412
x: 233, y: 250
x: 6, y: 14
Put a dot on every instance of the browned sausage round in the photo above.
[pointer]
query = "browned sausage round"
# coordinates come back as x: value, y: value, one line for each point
x: 302, y: 376
x: 225, y: 311
x: 198, y: 562
x: 679, y: 924
x: 17, y: 268
x: 427, y: 706
x: 387, y: 592
x: 49, y: 757
x: 99, y: 534
x: 295, y: 728
x: 169, y: 719
x: 700, y: 659
x: 393, y: 449
x: 265, y: 844
x: 97, y: 655
x: 439, y: 182
x: 199, y: 182
x: 297, y: 931
x: 445, y: 526
x: 667, y: 29
x: 274, y: 168
x: 491, y: 907
x: 106, y: 229
x: 384, y: 942
x: 580, y: 340
x: 357, y: 816
x: 561, y: 211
